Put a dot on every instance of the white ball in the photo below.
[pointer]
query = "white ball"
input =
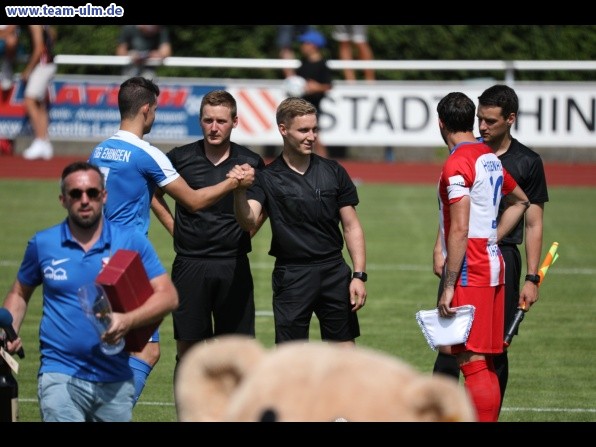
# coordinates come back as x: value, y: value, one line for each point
x: 294, y: 85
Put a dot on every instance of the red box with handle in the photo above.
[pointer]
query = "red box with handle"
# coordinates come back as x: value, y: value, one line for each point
x: 127, y: 286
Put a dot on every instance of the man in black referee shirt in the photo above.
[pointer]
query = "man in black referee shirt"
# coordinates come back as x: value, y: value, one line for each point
x: 497, y: 112
x: 306, y: 198
x: 211, y: 270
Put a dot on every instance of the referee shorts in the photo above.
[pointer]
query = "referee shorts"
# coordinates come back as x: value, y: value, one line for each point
x: 216, y: 297
x: 319, y: 288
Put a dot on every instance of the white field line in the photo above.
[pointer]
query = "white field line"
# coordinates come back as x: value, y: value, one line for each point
x: 374, y: 267
x: 371, y: 268
x: 427, y: 268
x: 382, y: 267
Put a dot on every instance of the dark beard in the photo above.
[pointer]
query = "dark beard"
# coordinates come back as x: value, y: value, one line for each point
x: 85, y: 223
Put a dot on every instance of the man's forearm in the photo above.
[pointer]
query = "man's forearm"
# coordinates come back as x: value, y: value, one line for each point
x: 510, y: 218
x: 533, y: 238
x: 456, y: 251
x: 244, y: 214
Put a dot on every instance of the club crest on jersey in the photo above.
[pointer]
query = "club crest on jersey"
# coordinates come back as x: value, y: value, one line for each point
x: 456, y: 180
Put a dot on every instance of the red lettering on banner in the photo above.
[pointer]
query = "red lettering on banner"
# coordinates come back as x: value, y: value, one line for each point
x: 91, y: 95
x: 69, y: 94
x: 113, y: 96
x: 169, y: 97
x: 10, y: 106
x: 96, y: 95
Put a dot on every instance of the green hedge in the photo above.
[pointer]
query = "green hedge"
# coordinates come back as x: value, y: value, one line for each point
x: 389, y: 42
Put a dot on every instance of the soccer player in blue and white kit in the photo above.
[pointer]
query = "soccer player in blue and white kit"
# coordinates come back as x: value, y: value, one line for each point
x: 133, y: 169
x: 77, y: 381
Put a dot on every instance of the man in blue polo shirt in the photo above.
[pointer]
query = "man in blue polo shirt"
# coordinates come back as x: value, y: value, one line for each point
x: 77, y: 381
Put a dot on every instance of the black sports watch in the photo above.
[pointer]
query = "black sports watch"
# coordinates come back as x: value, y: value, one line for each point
x: 362, y: 276
x: 533, y: 278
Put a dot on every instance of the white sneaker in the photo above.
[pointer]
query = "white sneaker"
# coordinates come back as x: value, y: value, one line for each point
x: 39, y: 149
x: 6, y: 75
x: 5, y: 84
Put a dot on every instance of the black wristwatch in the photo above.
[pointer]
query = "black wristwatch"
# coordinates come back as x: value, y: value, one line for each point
x: 362, y: 276
x: 533, y: 278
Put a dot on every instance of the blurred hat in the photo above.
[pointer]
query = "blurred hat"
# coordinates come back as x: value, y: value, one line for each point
x: 314, y: 37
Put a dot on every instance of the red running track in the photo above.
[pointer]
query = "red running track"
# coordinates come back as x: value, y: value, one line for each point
x: 15, y: 167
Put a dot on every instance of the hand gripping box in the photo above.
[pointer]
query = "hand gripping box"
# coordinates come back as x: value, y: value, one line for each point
x: 127, y: 286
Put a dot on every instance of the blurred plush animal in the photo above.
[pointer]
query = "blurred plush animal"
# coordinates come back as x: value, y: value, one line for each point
x: 234, y: 378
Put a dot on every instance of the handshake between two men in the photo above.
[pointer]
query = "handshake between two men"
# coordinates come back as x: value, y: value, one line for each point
x: 245, y: 174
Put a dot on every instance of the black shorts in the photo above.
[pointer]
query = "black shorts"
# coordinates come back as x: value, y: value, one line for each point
x: 319, y: 288
x: 216, y: 297
x: 513, y: 266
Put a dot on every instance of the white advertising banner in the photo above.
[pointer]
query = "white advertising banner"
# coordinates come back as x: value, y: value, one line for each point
x: 404, y: 114
x: 552, y: 114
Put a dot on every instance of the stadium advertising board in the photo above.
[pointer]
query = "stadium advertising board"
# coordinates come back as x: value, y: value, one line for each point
x: 554, y: 114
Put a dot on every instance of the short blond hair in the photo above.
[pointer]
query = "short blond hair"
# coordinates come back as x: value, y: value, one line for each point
x: 292, y: 107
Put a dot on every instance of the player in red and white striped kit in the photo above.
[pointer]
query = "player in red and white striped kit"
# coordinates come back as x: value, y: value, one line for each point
x: 470, y: 188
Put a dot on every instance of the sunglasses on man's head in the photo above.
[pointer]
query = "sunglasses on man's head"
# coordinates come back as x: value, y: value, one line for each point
x: 92, y: 193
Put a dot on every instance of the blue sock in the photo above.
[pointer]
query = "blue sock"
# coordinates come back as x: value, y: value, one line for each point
x: 140, y: 370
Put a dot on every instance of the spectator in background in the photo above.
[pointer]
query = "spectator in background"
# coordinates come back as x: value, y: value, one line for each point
x: 9, y: 40
x: 286, y: 36
x: 37, y: 75
x: 348, y: 37
x: 318, y: 75
x: 142, y: 42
